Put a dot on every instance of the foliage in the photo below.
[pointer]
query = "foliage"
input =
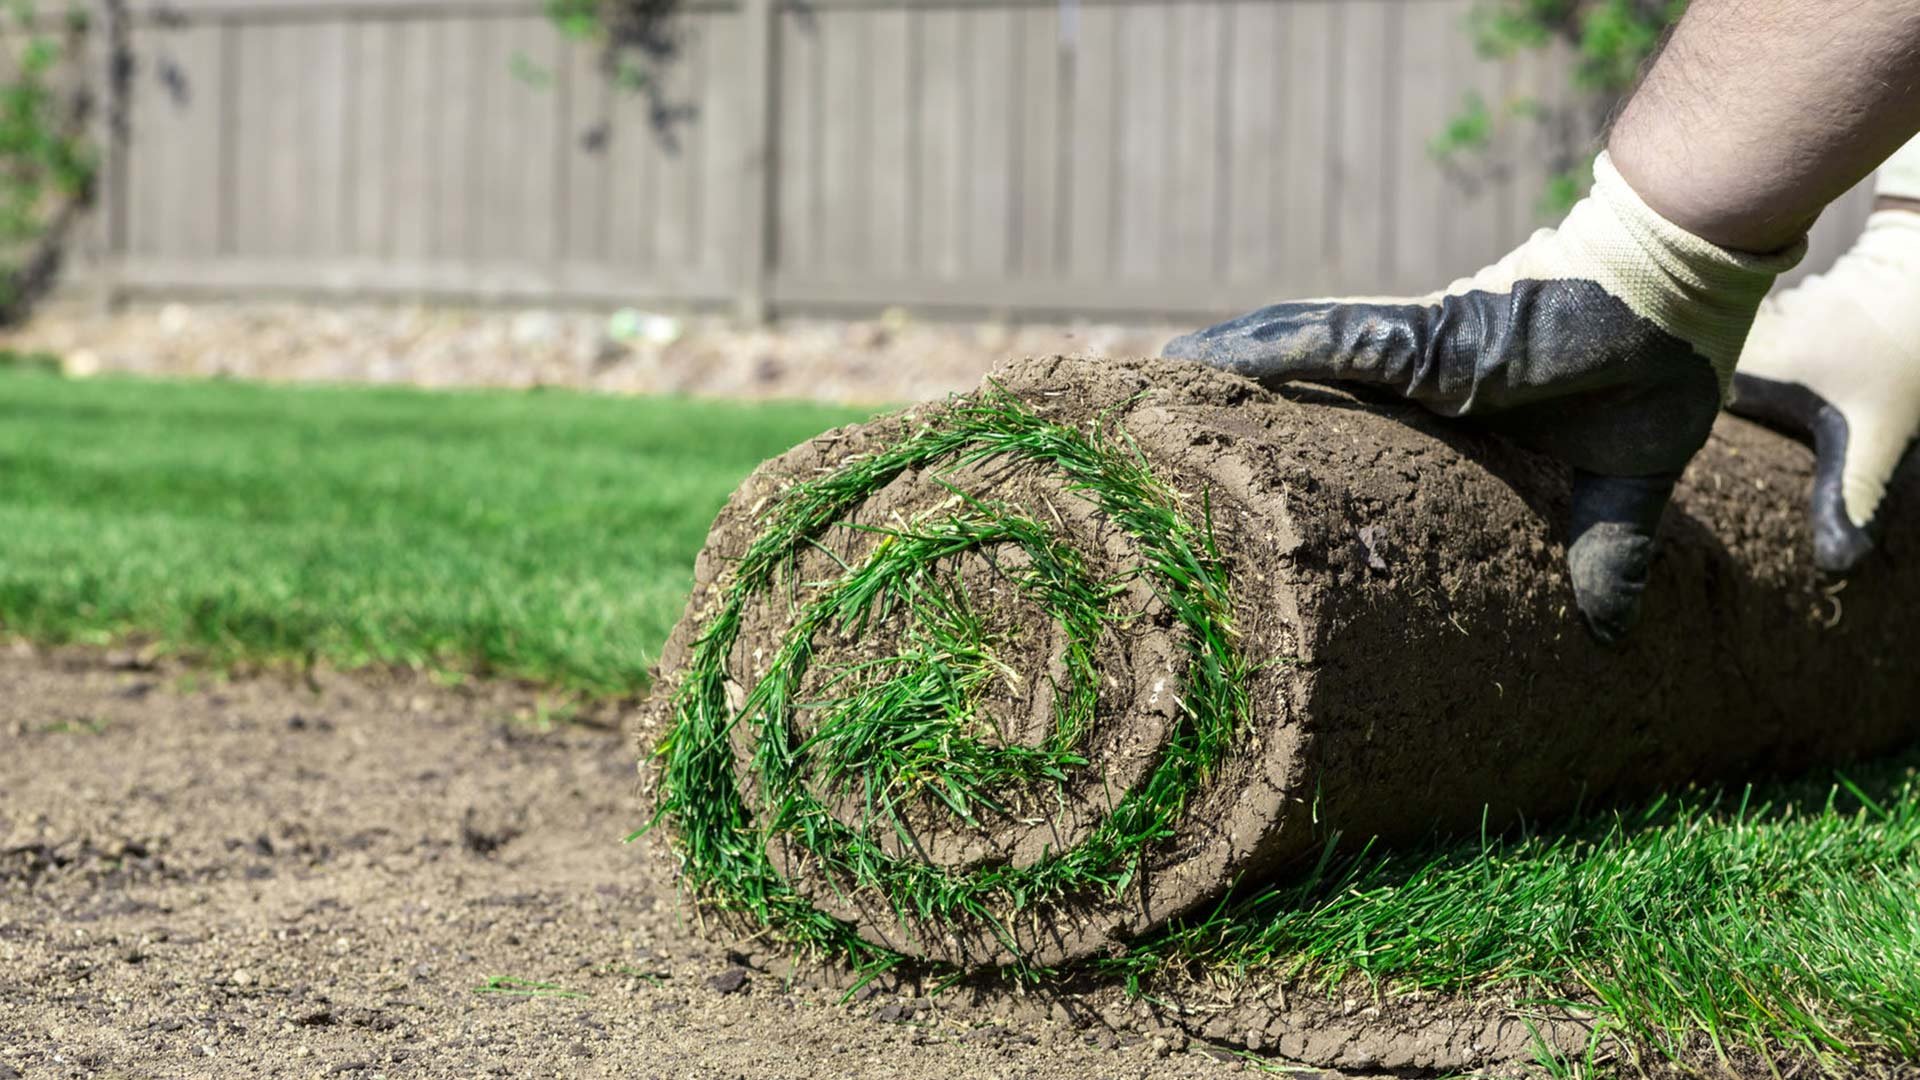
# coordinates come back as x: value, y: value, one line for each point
x: 1610, y: 40
x: 636, y: 40
x: 46, y: 158
x: 634, y: 36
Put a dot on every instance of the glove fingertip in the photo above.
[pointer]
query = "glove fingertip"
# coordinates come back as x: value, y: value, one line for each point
x: 1839, y: 545
x: 1609, y: 565
x: 1610, y: 559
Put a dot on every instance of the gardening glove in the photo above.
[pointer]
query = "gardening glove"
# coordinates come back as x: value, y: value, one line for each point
x: 1837, y: 362
x: 1607, y: 343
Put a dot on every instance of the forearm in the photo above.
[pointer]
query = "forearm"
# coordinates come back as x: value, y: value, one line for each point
x: 1761, y: 112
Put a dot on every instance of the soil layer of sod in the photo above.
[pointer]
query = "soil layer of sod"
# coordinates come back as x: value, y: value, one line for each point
x: 1020, y: 677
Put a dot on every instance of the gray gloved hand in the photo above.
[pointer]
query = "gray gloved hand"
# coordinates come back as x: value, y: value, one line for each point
x: 1607, y: 343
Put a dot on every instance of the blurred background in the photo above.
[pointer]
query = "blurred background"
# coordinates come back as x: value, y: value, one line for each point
x: 865, y: 200
x: 276, y: 275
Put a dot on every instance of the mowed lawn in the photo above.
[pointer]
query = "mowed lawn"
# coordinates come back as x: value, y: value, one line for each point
x: 551, y: 536
x: 545, y: 535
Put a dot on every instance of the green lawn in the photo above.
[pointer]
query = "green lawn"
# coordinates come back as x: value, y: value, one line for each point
x: 546, y: 535
x: 551, y: 536
x: 1778, y: 923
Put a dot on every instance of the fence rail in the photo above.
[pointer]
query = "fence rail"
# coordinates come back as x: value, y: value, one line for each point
x: 1174, y: 157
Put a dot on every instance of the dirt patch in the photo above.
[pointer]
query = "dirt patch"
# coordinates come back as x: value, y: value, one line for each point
x: 375, y: 876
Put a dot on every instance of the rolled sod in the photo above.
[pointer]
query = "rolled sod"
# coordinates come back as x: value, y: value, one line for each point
x: 1021, y: 676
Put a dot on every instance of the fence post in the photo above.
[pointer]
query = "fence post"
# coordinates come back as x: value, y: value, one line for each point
x: 760, y: 68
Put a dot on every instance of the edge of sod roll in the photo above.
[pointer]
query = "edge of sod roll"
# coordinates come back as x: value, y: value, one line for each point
x: 908, y: 726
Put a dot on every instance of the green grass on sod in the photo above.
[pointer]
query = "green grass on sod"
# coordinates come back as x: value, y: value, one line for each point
x: 1782, y: 921
x: 913, y: 713
x: 546, y: 535
x: 551, y: 536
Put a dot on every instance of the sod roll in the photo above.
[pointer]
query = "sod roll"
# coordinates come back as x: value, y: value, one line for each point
x: 1024, y: 675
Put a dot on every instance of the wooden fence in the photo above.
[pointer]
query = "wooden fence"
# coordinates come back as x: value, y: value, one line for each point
x: 1167, y: 157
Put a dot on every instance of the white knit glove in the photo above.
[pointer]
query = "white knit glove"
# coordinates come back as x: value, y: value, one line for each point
x: 1837, y: 360
x: 1608, y: 343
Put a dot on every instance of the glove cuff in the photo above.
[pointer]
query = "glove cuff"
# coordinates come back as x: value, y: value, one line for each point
x: 1689, y: 286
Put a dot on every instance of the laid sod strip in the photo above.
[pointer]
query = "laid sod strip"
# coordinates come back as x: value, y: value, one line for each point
x: 1782, y: 920
x: 910, y: 725
x: 544, y: 535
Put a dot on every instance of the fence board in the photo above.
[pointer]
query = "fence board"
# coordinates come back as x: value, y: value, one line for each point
x: 1098, y: 70
x: 889, y: 88
x: 177, y: 133
x: 250, y: 63
x: 1193, y: 199
x: 1478, y: 188
x: 455, y: 93
x: 845, y: 138
x: 723, y: 125
x: 676, y: 149
x: 570, y: 173
x: 798, y: 122
x: 411, y: 186
x: 324, y: 95
x: 1037, y: 119
x: 1146, y: 39
x: 1420, y: 208
x: 372, y: 94
x: 151, y: 176
x: 940, y: 131
x: 1540, y: 80
x: 1254, y: 137
x: 631, y: 181
x: 1022, y: 155
x: 1364, y: 58
x: 1303, y: 223
x: 497, y: 176
x: 987, y: 106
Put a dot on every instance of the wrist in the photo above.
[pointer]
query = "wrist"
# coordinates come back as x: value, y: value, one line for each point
x: 1702, y: 292
x: 1733, y: 209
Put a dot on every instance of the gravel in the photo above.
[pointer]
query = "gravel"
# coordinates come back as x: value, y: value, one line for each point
x: 893, y: 358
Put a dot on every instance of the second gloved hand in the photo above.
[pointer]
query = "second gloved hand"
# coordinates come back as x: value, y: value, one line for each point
x: 1607, y: 342
x: 1837, y: 361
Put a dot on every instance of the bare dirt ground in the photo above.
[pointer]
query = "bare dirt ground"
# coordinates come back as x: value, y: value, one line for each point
x: 892, y: 358
x: 254, y: 878
x: 339, y: 875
